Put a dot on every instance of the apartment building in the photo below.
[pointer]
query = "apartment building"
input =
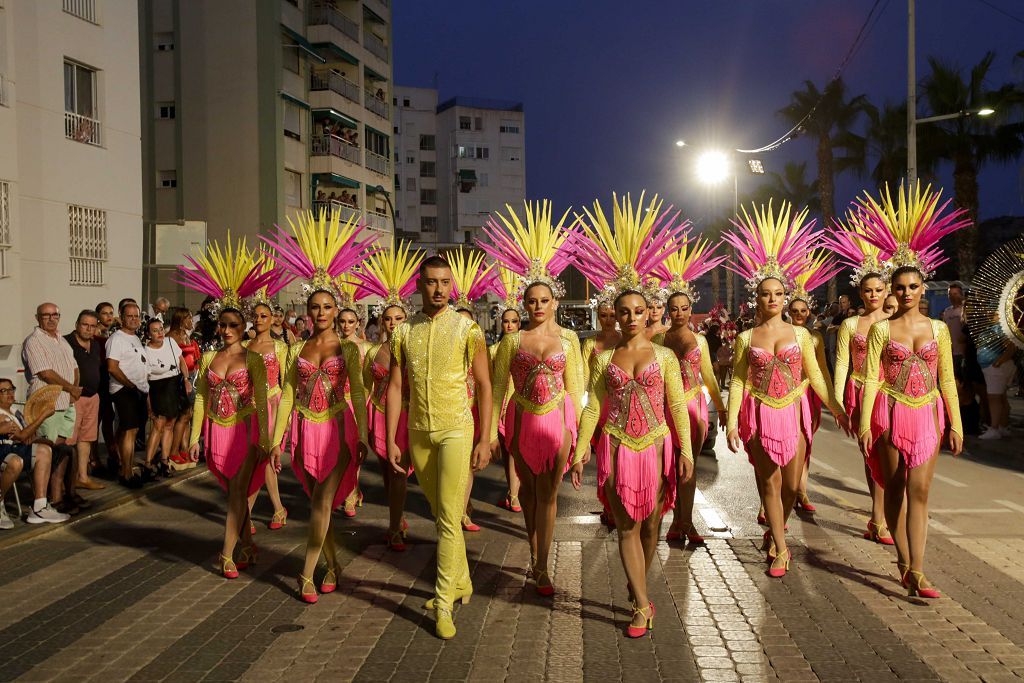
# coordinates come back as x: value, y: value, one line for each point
x: 475, y: 164
x: 256, y: 110
x: 70, y: 194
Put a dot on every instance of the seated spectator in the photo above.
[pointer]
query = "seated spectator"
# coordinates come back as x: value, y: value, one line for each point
x: 18, y: 453
x: 89, y: 355
x: 168, y: 393
x: 129, y: 386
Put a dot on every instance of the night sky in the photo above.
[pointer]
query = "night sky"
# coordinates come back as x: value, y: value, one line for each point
x: 609, y: 86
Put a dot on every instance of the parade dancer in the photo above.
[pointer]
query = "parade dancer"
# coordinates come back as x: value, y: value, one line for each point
x: 607, y: 337
x: 865, y: 260
x: 820, y: 269
x: 677, y: 275
x: 636, y: 386
x: 351, y: 319
x: 432, y: 352
x: 510, y: 319
x: 313, y: 399
x: 769, y: 414
x: 901, y: 429
x: 544, y: 365
x: 226, y: 413
x: 390, y: 274
x: 471, y: 281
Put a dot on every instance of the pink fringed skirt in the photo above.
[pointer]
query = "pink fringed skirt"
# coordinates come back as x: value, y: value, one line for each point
x: 379, y: 432
x: 914, y: 432
x: 637, y: 477
x: 540, y: 437
x: 777, y: 429
x: 814, y: 402
x: 853, y: 398
x: 228, y: 447
x: 316, y: 447
x: 697, y: 408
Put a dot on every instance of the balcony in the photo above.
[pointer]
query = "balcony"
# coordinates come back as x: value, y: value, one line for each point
x: 83, y: 9
x: 377, y: 163
x: 325, y: 14
x: 378, y: 221
x: 334, y: 81
x: 375, y: 104
x: 345, y: 211
x: 335, y: 146
x: 375, y: 45
x: 82, y: 129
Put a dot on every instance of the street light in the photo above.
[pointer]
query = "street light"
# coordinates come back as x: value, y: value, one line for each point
x: 680, y: 143
x: 914, y: 122
x: 713, y: 167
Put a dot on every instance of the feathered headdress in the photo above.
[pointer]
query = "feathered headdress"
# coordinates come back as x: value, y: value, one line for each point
x: 535, y: 251
x: 277, y: 279
x: 229, y: 274
x: 681, y: 268
x: 471, y: 280
x: 769, y: 244
x: 506, y: 287
x: 910, y: 228
x: 390, y: 273
x: 849, y: 243
x: 320, y: 250
x: 996, y: 309
x: 623, y: 256
x: 819, y: 269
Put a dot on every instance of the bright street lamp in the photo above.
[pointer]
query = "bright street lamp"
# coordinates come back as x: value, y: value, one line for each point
x: 713, y: 167
x: 680, y: 143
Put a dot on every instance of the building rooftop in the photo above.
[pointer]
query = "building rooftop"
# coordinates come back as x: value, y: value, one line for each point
x: 480, y: 103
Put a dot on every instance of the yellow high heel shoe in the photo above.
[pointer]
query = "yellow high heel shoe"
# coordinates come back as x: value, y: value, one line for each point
x: 462, y: 594
x: 444, y: 624
x: 247, y: 556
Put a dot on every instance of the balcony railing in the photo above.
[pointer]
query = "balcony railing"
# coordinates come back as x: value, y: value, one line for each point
x: 330, y: 205
x: 375, y: 104
x: 375, y: 45
x: 82, y: 129
x: 332, y: 80
x: 83, y: 9
x: 377, y: 163
x: 378, y: 221
x: 335, y: 146
x: 324, y: 13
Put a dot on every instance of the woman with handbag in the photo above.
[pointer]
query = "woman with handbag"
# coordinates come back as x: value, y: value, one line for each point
x: 167, y: 394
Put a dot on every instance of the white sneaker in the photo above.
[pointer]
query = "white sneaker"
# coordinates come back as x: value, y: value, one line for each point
x: 46, y: 516
x: 1005, y: 431
x: 5, y: 521
x: 991, y: 434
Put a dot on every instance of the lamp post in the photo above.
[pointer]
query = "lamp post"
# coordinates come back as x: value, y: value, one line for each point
x: 713, y: 167
x: 391, y: 208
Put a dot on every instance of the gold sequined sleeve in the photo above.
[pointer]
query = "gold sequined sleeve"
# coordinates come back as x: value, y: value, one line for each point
x: 658, y: 339
x: 592, y: 413
x: 843, y: 357
x: 675, y: 400
x: 878, y: 336
x: 575, y: 378
x: 819, y: 355
x: 396, y: 344
x: 353, y: 365
x: 258, y: 376
x: 809, y: 357
x: 707, y: 374
x: 501, y: 377
x: 739, y: 378
x: 589, y: 344
x: 368, y: 359
x: 290, y: 378
x: 202, y: 394
x: 947, y: 383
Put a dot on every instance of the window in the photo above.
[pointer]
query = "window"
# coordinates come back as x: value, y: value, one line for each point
x: 167, y: 179
x: 478, y: 123
x: 290, y: 55
x: 164, y: 42
x: 508, y: 126
x: 410, y: 159
x: 80, y: 110
x: 428, y: 169
x: 428, y: 196
x: 465, y: 123
x: 398, y: 183
x: 410, y: 184
x: 481, y: 179
x: 405, y: 102
x: 166, y: 110
x: 396, y: 130
x: 427, y: 143
x: 428, y: 223
x: 472, y: 152
x: 292, y: 188
x: 87, y: 244
x: 83, y: 9
x: 511, y: 153
x: 483, y: 153
x: 5, y: 226
x: 292, y: 120
x: 377, y: 143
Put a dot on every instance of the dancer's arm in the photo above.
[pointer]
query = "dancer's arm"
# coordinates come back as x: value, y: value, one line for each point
x: 575, y: 380
x: 947, y: 385
x: 843, y: 358
x: 289, y: 380
x: 736, y: 384
x: 707, y: 374
x: 674, y: 398
x: 393, y: 401
x: 877, y: 338
x: 819, y: 355
x: 501, y: 380
x: 592, y: 413
x: 353, y: 365
x: 817, y: 378
x: 477, y: 349
x: 258, y: 376
x: 199, y: 407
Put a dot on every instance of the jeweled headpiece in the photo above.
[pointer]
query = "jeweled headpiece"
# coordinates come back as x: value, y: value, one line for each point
x: 995, y: 311
x: 471, y: 279
x: 535, y: 251
x: 910, y: 228
x: 229, y: 274
x: 623, y: 256
x: 506, y: 287
x: 847, y: 240
x: 770, y: 245
x: 819, y: 269
x: 320, y: 250
x: 682, y: 267
x: 390, y: 273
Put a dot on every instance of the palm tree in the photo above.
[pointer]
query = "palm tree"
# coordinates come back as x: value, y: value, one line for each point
x: 968, y: 141
x: 791, y: 185
x: 826, y: 116
x: 883, y: 145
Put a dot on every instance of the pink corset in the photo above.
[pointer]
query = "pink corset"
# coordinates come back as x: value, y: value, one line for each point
x: 689, y: 366
x: 470, y: 383
x: 913, y: 374
x: 229, y: 395
x: 380, y: 376
x: 538, y: 381
x: 320, y: 388
x: 635, y: 405
x: 859, y: 346
x: 273, y: 369
x: 775, y: 375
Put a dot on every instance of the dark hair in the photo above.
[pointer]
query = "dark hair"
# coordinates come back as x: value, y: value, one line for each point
x: 435, y: 261
x: 103, y: 304
x: 460, y: 309
x: 674, y: 295
x: 538, y: 284
x: 124, y: 302
x: 956, y: 284
x: 9, y: 381
x: 903, y: 270
x: 86, y: 313
x: 149, y: 324
x: 178, y: 317
x: 868, y: 276
x: 130, y: 303
x: 510, y: 310
x: 615, y: 304
x: 319, y: 291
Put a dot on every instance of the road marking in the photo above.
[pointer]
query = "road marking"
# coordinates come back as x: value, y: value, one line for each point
x: 698, y: 498
x: 942, y: 528
x: 821, y: 464
x: 579, y: 519
x: 970, y: 511
x: 713, y: 520
x: 951, y: 482
x: 1010, y: 504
